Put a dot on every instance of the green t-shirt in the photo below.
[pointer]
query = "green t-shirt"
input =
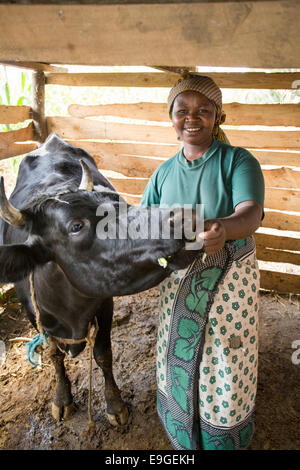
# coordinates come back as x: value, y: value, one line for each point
x: 222, y: 178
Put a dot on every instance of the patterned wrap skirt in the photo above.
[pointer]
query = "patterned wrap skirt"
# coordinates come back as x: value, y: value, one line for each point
x: 207, y: 350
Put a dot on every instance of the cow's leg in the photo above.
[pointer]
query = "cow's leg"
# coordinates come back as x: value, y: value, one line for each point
x: 117, y: 411
x: 62, y: 404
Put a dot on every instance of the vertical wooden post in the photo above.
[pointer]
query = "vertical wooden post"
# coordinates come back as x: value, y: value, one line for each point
x: 38, y: 105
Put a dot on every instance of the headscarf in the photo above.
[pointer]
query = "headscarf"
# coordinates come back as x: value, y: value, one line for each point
x: 208, y: 88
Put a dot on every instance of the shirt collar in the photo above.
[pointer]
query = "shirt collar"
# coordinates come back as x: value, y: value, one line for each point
x: 198, y: 161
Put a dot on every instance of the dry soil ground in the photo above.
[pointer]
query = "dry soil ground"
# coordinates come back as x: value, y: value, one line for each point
x: 25, y: 397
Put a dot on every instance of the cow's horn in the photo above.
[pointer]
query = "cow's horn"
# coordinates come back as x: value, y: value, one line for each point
x: 86, y: 183
x: 8, y: 212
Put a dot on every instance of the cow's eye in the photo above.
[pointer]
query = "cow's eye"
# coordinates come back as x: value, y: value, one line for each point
x: 75, y: 227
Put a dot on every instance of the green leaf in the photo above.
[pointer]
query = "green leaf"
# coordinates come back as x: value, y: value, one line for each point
x: 187, y: 327
x: 191, y: 301
x: 20, y: 101
x: 245, y: 435
x: 23, y: 80
x: 210, y: 277
x: 183, y: 439
x: 228, y: 445
x: 7, y: 92
x: 180, y: 397
x: 170, y: 425
x: 183, y: 350
x: 203, y: 298
x: 207, y: 441
x: 182, y: 376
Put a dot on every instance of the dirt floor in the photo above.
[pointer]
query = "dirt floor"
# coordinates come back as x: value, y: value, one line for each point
x: 25, y: 398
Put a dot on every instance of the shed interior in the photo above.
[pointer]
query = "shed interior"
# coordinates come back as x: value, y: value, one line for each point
x: 129, y: 140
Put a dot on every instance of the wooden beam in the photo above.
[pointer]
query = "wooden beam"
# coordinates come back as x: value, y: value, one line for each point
x: 280, y: 282
x: 282, y: 199
x: 38, y: 106
x: 76, y: 128
x: 276, y: 158
x: 14, y: 114
x: 128, y: 159
x: 20, y: 135
x: 237, y: 114
x: 282, y: 178
x: 277, y: 256
x: 133, y: 160
x: 265, y: 139
x: 252, y: 80
x: 233, y: 34
x: 277, y: 242
x: 129, y: 185
x: 37, y: 66
x: 281, y: 221
x: 16, y: 149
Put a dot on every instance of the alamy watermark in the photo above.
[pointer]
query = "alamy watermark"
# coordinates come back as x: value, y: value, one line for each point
x: 296, y: 354
x: 124, y: 222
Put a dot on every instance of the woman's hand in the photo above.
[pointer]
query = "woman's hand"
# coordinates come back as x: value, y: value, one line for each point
x: 214, y: 236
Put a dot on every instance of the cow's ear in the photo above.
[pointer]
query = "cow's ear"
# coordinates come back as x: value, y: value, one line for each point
x: 17, y: 261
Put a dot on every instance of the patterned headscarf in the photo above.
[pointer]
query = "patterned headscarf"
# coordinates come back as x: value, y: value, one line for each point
x: 208, y: 88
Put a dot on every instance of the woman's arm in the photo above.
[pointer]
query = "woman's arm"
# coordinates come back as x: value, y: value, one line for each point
x: 241, y: 224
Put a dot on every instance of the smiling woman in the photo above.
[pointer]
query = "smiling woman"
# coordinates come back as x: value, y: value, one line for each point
x: 207, y: 335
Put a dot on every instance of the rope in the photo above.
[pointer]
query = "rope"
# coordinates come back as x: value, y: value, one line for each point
x: 90, y: 339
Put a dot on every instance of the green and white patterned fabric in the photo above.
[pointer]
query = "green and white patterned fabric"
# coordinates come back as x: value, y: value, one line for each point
x: 207, y: 350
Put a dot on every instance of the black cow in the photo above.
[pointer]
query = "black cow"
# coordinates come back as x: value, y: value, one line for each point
x: 49, y: 227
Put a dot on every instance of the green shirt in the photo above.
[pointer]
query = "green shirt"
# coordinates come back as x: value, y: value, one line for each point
x: 222, y: 178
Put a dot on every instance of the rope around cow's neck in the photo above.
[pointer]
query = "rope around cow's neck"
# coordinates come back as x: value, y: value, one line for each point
x: 90, y: 339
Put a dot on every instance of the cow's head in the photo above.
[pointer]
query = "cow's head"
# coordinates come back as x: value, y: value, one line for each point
x: 69, y: 230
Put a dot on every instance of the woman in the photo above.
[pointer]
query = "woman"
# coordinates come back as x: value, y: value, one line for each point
x: 207, y: 337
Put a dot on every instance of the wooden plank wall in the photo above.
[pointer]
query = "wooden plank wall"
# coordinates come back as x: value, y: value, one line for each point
x: 134, y: 149
x: 20, y: 141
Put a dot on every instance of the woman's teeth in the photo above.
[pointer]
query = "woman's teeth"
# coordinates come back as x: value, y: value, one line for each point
x: 192, y: 129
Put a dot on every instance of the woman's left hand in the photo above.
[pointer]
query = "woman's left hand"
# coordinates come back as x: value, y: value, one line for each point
x: 214, y: 236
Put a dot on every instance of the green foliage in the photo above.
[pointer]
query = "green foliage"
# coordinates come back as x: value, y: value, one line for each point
x: 15, y: 90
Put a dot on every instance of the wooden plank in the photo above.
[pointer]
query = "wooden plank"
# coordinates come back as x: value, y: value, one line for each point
x: 146, y: 111
x: 129, y: 185
x: 37, y: 66
x: 246, y: 80
x: 77, y: 128
x: 14, y: 150
x: 108, y: 152
x: 38, y: 106
x: 266, y: 139
x: 237, y: 114
x: 232, y: 34
x: 14, y: 114
x: 277, y: 256
x: 282, y: 199
x: 282, y: 178
x: 280, y: 282
x: 276, y: 157
x: 278, y: 242
x: 21, y: 135
x: 275, y: 198
x: 281, y: 221
x: 131, y: 199
x: 128, y: 159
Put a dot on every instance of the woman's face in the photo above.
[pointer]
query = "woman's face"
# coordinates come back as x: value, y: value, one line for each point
x: 193, y: 117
